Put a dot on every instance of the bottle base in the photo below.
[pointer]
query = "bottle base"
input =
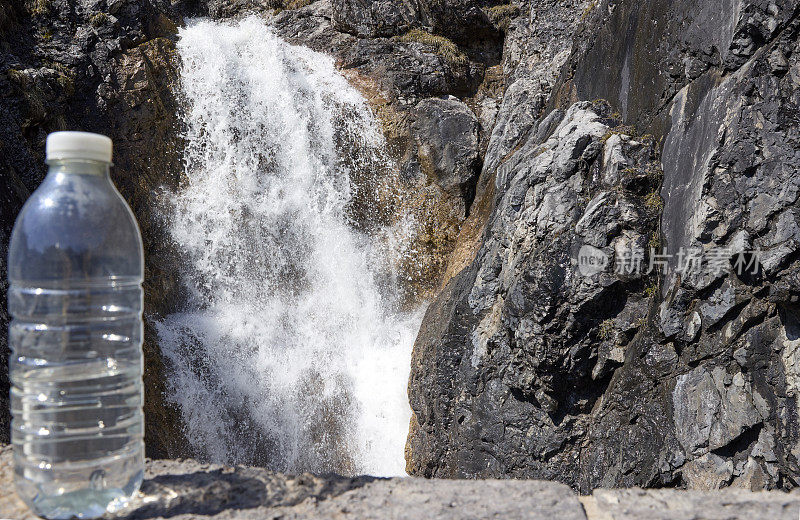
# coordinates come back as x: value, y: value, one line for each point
x: 84, y: 503
x: 73, y: 490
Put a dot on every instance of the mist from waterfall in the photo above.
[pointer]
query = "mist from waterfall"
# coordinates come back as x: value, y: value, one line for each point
x: 292, y: 351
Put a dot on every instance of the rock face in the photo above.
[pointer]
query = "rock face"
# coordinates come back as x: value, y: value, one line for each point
x: 526, y: 366
x: 464, y: 21
x: 667, y: 504
x: 370, y: 19
x: 542, y: 339
x: 108, y: 67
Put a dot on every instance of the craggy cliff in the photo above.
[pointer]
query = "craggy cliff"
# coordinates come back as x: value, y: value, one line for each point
x: 527, y: 368
x: 524, y: 132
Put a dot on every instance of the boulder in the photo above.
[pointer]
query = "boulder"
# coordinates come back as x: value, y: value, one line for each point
x: 446, y: 132
x: 466, y: 22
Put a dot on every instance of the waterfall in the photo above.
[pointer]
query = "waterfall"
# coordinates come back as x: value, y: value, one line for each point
x: 293, y: 351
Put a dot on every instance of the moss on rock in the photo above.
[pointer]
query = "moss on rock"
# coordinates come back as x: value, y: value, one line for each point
x: 441, y: 45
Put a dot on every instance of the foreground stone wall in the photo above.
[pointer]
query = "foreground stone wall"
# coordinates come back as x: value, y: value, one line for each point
x: 184, y: 490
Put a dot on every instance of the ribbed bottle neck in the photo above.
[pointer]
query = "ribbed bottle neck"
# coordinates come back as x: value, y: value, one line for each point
x: 78, y: 167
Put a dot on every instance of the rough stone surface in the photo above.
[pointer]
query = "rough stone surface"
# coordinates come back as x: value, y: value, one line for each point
x: 184, y: 490
x: 536, y: 46
x: 375, y: 18
x: 446, y: 132
x: 538, y: 42
x: 663, y: 504
x: 679, y: 379
x: 638, y: 55
x: 542, y: 341
x: 465, y: 21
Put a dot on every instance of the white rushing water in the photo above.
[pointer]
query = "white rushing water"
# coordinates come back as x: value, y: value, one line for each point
x: 292, y: 352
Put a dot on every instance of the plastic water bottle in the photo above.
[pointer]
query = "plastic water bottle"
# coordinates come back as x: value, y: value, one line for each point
x: 76, y: 267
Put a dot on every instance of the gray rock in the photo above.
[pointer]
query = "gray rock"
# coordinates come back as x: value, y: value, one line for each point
x: 519, y: 111
x: 637, y: 504
x: 779, y: 245
x: 712, y: 408
x: 687, y: 36
x: 446, y: 133
x: 719, y: 88
x: 373, y: 18
x: 233, y: 8
x: 185, y: 489
x: 463, y: 21
x: 520, y: 388
x: 536, y: 47
x: 718, y: 304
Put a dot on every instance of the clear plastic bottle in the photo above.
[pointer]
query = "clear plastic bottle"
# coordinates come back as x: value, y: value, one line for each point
x: 76, y: 268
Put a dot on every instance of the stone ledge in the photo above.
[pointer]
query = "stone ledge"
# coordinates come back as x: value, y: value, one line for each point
x: 185, y: 489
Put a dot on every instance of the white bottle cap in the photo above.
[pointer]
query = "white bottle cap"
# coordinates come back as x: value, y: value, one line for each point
x: 78, y: 145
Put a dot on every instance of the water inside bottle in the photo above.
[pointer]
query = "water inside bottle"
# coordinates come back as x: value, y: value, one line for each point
x: 76, y: 401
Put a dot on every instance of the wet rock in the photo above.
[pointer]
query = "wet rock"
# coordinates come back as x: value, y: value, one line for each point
x: 406, y: 69
x: 398, y: 76
x: 640, y: 72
